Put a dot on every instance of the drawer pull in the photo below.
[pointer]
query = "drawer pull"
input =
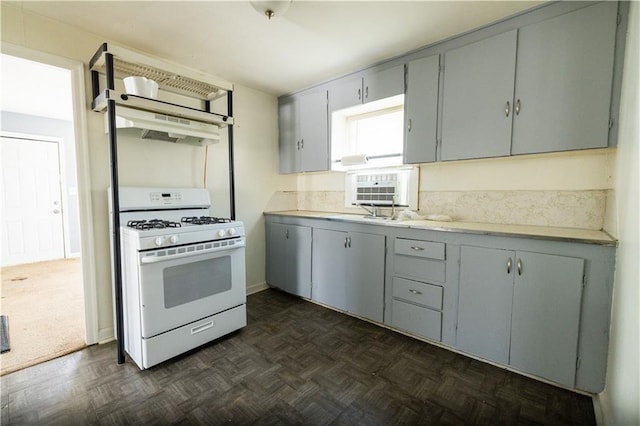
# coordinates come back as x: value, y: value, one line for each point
x: 417, y: 248
x: 202, y: 327
x: 415, y: 291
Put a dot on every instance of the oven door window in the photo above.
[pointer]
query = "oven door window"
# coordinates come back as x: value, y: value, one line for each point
x: 194, y: 281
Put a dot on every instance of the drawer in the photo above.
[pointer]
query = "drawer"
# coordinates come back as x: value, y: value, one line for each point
x: 172, y: 343
x: 419, y: 268
x: 417, y: 320
x: 428, y: 295
x: 418, y: 248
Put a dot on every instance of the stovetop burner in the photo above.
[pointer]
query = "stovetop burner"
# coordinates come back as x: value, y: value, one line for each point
x: 153, y: 224
x: 204, y: 220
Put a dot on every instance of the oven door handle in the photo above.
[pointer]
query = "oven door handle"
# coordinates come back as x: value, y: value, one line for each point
x: 166, y: 258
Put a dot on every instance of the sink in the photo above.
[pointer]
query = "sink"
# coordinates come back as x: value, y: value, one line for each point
x: 369, y: 217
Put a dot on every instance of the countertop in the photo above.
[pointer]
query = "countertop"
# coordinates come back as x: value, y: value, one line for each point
x: 587, y: 236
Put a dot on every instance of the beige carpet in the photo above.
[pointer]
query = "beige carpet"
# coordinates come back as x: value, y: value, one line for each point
x: 45, y: 305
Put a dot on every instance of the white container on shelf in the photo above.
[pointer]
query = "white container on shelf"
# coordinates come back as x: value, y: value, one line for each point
x: 141, y: 86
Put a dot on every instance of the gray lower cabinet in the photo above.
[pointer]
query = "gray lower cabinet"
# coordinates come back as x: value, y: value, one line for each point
x: 421, y: 110
x: 348, y: 271
x: 289, y: 258
x: 521, y: 309
x: 540, y: 306
x: 417, y: 288
x: 304, y: 132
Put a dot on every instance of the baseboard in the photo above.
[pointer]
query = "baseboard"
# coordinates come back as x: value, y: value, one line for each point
x: 105, y: 335
x: 257, y: 288
x: 600, y: 410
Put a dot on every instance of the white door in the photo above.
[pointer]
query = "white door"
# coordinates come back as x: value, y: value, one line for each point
x: 32, y: 229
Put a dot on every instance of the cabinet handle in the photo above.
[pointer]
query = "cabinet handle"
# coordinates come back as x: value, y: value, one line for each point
x: 518, y: 107
x: 359, y: 94
x: 417, y: 248
x: 366, y: 92
x: 509, y: 266
x: 409, y: 125
x: 507, y: 109
x: 302, y: 144
x: 349, y: 238
x: 298, y: 143
x: 345, y: 242
x: 201, y: 328
x: 415, y: 291
x: 519, y: 266
x: 286, y: 234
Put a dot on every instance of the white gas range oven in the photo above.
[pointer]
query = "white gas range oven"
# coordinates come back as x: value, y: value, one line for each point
x: 183, y: 272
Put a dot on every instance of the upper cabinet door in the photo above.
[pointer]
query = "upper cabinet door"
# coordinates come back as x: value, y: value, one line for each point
x: 383, y: 84
x: 314, y: 148
x: 288, y: 128
x: 478, y: 98
x: 421, y: 110
x: 564, y: 80
x: 345, y: 93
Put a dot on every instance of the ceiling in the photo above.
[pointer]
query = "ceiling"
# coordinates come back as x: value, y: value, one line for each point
x: 312, y: 42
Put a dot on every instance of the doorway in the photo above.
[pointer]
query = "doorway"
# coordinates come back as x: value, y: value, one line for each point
x: 41, y: 255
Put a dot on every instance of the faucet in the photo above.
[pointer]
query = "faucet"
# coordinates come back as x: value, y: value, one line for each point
x: 373, y: 212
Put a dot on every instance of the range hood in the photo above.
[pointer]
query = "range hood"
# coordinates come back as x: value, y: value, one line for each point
x: 161, y: 127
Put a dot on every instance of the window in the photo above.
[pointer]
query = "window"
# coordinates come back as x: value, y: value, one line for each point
x: 368, y: 135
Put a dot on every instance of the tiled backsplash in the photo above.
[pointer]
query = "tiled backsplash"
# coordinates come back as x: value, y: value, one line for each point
x: 575, y: 209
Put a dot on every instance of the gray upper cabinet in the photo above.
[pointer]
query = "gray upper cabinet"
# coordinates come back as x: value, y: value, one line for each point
x: 557, y: 97
x: 351, y: 91
x: 289, y: 258
x: 478, y: 98
x: 564, y: 79
x: 521, y: 309
x: 345, y: 93
x: 303, y: 128
x: 348, y: 271
x: 383, y: 84
x: 421, y: 110
x: 288, y: 128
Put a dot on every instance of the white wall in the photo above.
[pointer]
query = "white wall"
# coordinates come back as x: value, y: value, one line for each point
x: 574, y: 170
x: 160, y: 163
x: 621, y: 399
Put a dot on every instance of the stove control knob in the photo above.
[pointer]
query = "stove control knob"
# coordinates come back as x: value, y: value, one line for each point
x: 231, y: 231
x: 159, y: 241
x: 174, y: 239
x: 221, y: 233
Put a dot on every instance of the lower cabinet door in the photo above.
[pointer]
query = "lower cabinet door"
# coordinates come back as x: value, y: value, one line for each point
x: 546, y: 315
x: 365, y: 275
x: 417, y: 320
x: 276, y: 255
x: 298, y: 263
x: 484, y: 306
x: 328, y: 268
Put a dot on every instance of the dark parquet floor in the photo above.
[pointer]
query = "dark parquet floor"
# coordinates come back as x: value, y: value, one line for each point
x: 294, y: 363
